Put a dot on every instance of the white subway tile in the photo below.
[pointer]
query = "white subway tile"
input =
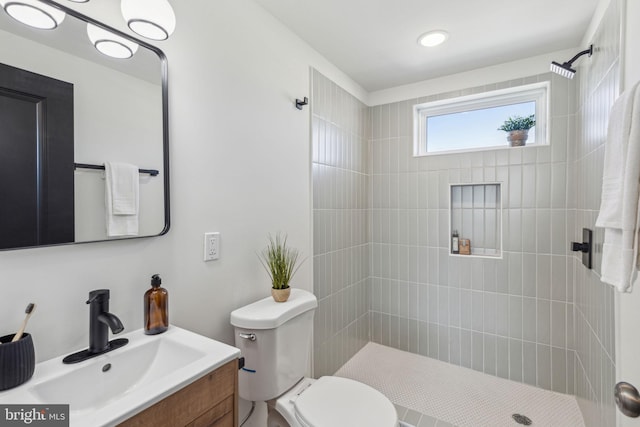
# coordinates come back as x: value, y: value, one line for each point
x: 515, y: 187
x: 454, y: 346
x: 465, y: 348
x: 544, y: 366
x: 529, y: 233
x: 490, y: 312
x: 515, y: 360
x: 543, y: 321
x: 529, y: 270
x: 543, y: 231
x: 529, y: 367
x: 477, y: 351
x: 514, y: 232
x: 558, y: 324
x: 443, y: 343
x: 528, y: 186
x: 543, y: 186
x: 502, y: 348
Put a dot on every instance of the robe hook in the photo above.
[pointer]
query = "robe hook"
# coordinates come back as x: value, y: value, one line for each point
x: 300, y: 104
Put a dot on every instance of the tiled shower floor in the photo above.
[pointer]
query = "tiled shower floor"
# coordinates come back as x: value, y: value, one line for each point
x: 428, y: 392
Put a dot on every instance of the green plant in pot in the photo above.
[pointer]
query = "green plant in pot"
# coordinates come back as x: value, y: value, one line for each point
x: 281, y: 263
x: 517, y: 129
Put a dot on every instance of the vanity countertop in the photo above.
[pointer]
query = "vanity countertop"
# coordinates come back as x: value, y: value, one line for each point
x: 108, y: 389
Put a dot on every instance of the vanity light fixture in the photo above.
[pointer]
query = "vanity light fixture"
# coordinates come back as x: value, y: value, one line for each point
x: 111, y: 44
x: 153, y: 19
x: 33, y: 13
x: 433, y: 38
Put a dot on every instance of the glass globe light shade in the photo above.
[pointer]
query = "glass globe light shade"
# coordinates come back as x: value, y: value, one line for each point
x: 153, y: 19
x: 111, y: 44
x: 34, y: 13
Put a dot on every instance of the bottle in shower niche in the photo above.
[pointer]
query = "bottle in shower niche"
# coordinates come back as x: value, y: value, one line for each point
x: 455, y: 242
x: 156, y: 308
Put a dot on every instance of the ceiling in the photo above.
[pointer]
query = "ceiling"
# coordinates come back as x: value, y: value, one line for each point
x: 375, y: 41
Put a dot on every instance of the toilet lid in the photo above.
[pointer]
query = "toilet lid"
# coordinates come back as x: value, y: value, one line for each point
x: 335, y: 401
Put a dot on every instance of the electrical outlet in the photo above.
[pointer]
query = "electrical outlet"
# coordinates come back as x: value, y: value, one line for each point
x: 211, y: 246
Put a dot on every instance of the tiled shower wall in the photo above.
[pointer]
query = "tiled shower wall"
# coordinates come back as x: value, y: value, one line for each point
x: 340, y: 218
x: 381, y: 260
x: 510, y: 317
x: 599, y: 86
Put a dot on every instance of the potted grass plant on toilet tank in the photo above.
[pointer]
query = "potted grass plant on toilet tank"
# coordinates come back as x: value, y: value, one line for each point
x: 281, y: 263
x: 517, y: 129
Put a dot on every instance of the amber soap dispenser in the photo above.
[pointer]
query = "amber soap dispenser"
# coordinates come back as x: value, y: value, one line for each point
x: 156, y: 307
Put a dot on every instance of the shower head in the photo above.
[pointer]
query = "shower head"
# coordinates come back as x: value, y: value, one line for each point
x: 565, y: 69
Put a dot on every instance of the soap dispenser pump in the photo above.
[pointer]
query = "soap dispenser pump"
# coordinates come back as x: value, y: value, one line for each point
x: 156, y: 305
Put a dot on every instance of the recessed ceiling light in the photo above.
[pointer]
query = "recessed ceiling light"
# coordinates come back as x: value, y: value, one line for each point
x: 433, y: 38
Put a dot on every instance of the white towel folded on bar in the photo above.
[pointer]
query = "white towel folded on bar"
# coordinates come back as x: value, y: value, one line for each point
x: 122, y: 187
x: 621, y: 193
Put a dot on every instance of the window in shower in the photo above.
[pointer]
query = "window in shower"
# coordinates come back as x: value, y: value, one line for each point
x: 476, y: 215
x: 470, y: 123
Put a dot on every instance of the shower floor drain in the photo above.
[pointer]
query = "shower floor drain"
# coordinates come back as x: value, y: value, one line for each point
x: 521, y: 419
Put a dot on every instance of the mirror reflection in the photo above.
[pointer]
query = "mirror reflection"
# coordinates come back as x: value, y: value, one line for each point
x: 66, y: 109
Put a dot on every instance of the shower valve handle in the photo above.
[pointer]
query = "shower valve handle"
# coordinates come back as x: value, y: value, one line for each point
x: 580, y: 247
x: 586, y: 247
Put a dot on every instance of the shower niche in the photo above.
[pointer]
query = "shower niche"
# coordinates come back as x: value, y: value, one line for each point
x: 476, y: 220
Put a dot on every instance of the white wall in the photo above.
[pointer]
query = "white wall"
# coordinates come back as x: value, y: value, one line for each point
x: 479, y: 77
x: 240, y: 164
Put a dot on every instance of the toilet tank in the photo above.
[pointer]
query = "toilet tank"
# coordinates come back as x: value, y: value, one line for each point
x: 275, y: 341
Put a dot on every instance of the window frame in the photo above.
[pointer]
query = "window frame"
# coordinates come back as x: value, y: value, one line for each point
x: 536, y: 92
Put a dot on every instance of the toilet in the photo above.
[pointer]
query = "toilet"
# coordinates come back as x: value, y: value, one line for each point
x: 275, y: 341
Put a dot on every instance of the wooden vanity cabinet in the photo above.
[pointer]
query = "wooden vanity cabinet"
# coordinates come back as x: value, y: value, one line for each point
x: 210, y: 401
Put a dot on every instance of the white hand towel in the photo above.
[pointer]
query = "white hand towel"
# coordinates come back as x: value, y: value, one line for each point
x: 122, y: 184
x: 620, y: 193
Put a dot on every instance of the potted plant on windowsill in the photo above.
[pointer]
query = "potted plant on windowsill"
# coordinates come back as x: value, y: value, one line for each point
x: 517, y: 129
x: 281, y: 263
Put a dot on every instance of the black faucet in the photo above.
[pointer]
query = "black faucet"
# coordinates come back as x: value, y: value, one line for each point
x: 100, y: 321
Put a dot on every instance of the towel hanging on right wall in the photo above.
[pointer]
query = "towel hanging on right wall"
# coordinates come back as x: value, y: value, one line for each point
x: 619, y: 207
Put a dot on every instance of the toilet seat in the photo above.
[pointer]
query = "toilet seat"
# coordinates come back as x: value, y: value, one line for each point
x: 336, y: 401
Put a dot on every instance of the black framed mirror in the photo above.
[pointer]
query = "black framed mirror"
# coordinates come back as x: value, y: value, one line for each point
x: 75, y: 109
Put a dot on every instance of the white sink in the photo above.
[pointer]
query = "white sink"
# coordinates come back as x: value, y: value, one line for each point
x: 110, y: 388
